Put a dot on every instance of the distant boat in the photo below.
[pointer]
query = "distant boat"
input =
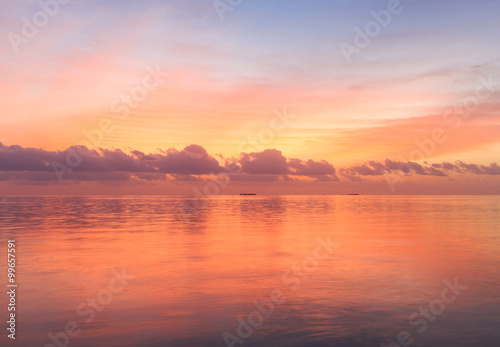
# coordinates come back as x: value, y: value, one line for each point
x: 248, y: 194
x: 353, y: 194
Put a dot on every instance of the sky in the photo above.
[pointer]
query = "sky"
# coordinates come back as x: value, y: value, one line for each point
x: 278, y: 97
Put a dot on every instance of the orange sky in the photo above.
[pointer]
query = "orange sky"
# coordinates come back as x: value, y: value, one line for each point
x: 157, y: 76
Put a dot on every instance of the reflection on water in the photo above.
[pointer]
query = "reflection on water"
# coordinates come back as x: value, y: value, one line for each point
x: 195, y: 276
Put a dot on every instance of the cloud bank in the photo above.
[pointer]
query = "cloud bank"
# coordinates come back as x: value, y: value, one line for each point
x: 79, y: 163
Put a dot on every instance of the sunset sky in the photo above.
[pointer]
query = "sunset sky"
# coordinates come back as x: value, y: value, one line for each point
x: 165, y: 93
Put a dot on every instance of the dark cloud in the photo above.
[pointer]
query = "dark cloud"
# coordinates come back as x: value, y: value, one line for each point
x: 79, y: 163
x: 310, y: 167
x: 446, y: 166
x: 269, y: 161
x: 273, y: 162
x: 193, y: 160
x: 150, y: 176
x: 493, y: 169
x: 363, y: 170
x: 461, y: 167
x: 375, y: 168
x: 17, y: 158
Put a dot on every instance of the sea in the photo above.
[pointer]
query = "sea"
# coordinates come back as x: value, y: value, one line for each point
x: 251, y: 271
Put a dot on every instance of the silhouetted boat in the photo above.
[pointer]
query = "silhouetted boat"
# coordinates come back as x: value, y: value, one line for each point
x: 248, y: 194
x: 353, y: 194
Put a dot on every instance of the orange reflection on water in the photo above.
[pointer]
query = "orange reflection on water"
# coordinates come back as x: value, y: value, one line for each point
x: 195, y: 277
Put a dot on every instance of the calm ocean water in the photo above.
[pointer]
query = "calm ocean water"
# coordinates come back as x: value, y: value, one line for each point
x: 342, y: 270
